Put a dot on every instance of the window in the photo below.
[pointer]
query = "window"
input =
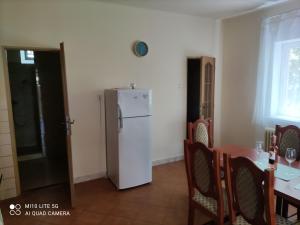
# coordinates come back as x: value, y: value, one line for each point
x: 285, y: 103
x: 278, y: 75
x: 27, y: 56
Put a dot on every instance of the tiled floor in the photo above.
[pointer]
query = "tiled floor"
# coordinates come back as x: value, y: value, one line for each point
x: 163, y: 202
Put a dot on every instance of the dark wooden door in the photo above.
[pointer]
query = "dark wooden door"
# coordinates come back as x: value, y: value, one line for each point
x: 51, y: 71
x: 48, y: 70
x: 68, y: 123
x: 193, y: 89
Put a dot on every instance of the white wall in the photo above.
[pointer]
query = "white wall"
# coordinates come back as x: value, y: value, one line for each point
x: 218, y: 52
x: 98, y: 39
x: 241, y: 36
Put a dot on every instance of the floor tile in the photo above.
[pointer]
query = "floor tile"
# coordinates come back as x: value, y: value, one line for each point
x: 116, y: 220
x: 162, y: 202
x: 88, y: 218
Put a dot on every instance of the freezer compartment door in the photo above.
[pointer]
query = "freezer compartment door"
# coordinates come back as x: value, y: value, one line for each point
x: 135, y: 102
x: 135, y: 165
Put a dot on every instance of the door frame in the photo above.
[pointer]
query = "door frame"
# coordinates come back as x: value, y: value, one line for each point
x: 4, y: 50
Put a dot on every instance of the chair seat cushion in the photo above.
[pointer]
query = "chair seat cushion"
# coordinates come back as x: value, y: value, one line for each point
x: 279, y: 220
x: 209, y: 203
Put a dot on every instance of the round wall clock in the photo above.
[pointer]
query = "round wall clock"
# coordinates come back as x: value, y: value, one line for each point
x: 140, y: 48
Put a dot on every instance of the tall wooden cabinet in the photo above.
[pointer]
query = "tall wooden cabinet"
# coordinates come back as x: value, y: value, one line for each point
x: 200, y: 88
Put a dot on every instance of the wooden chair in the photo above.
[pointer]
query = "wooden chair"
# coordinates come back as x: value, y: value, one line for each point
x: 288, y: 137
x: 250, y: 193
x: 204, y: 181
x: 201, y: 131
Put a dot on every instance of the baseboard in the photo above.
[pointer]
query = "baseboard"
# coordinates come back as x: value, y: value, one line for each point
x: 167, y: 160
x: 103, y: 174
x: 89, y: 177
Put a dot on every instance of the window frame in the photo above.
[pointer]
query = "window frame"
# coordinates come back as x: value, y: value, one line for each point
x: 280, y: 79
x: 25, y: 60
x: 27, y: 57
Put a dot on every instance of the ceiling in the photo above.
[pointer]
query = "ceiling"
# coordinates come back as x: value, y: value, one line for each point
x: 204, y: 8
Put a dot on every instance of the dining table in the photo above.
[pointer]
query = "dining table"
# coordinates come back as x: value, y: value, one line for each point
x: 284, y: 190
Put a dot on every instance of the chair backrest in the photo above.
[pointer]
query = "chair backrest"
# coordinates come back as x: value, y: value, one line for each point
x: 250, y: 191
x: 203, y: 172
x: 201, y: 131
x: 288, y: 137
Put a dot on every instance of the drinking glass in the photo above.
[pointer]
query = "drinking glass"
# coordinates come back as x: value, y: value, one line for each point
x: 259, y: 148
x: 290, y: 155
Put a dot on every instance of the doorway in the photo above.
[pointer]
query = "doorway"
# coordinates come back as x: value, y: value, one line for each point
x: 40, y: 118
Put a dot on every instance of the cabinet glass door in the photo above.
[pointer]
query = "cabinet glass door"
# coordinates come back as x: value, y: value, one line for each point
x: 207, y: 87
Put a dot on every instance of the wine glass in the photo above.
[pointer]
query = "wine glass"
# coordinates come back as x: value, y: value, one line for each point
x: 290, y: 155
x: 259, y: 148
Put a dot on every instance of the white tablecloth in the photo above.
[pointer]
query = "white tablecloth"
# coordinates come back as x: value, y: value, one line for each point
x: 282, y: 172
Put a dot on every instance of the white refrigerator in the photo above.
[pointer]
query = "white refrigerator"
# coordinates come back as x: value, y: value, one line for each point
x: 128, y: 136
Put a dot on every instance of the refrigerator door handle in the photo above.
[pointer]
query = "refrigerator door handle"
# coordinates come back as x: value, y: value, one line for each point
x: 120, y: 117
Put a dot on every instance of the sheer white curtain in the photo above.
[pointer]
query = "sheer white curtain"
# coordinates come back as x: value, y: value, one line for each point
x: 278, y: 78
